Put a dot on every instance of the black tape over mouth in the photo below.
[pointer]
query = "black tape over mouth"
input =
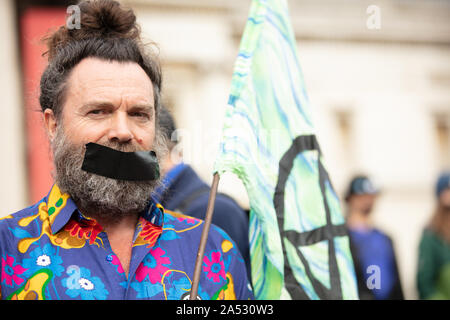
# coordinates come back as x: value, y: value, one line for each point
x: 119, y: 165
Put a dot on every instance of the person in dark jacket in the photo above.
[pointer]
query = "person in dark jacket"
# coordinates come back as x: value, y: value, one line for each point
x: 182, y: 190
x: 372, y: 250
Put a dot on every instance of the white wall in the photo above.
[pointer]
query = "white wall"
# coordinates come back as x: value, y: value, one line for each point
x: 13, y: 190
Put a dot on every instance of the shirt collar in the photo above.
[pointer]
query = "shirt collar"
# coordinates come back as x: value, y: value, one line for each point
x: 60, y: 208
x: 154, y: 213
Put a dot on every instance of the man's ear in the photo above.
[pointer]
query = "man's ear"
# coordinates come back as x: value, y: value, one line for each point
x: 50, y: 123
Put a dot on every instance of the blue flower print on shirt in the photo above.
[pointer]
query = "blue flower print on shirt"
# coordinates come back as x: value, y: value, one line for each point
x: 44, y: 258
x: 81, y: 283
x: 146, y: 289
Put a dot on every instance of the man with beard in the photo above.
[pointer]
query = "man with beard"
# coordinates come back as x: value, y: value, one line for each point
x: 97, y: 234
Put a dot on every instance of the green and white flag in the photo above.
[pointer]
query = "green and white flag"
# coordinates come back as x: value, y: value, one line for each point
x: 299, y: 245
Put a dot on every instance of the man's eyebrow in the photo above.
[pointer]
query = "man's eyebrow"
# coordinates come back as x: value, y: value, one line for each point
x: 143, y: 107
x: 96, y: 104
x: 105, y: 104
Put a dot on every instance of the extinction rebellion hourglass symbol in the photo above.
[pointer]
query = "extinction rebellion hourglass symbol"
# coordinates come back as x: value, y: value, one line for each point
x: 299, y: 239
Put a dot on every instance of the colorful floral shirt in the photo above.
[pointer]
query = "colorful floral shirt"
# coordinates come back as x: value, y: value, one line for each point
x: 51, y: 251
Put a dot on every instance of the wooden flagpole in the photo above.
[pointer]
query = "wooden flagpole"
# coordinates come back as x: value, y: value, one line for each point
x: 204, y: 237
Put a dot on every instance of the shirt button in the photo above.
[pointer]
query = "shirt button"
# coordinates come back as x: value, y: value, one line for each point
x: 109, y: 258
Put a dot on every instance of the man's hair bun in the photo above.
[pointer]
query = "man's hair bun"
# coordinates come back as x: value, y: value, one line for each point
x: 98, y: 19
x: 108, y: 31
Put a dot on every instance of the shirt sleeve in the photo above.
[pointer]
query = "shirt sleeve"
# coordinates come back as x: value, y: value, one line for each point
x: 238, y: 283
x: 396, y: 291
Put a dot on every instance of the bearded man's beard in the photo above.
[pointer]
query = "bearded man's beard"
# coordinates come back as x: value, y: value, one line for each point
x: 96, y: 195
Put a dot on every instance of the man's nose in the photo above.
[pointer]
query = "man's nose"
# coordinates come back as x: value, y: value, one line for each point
x: 120, y: 130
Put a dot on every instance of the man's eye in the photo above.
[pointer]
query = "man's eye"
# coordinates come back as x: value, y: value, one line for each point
x: 139, y: 114
x: 97, y: 111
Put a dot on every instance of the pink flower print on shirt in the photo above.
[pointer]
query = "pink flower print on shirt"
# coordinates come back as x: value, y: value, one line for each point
x: 214, y: 267
x: 11, y: 271
x: 153, y: 266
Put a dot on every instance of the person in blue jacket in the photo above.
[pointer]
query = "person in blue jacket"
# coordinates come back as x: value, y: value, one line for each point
x: 372, y: 250
x: 182, y: 190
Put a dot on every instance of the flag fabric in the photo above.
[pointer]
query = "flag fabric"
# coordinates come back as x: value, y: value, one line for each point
x: 299, y: 244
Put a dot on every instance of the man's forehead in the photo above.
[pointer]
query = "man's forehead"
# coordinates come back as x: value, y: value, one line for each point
x: 94, y: 76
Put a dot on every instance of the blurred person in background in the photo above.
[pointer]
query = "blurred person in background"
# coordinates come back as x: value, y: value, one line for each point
x: 372, y: 250
x: 433, y: 275
x: 182, y: 190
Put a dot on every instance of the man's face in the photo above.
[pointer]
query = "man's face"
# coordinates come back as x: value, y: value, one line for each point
x: 362, y: 203
x: 109, y: 102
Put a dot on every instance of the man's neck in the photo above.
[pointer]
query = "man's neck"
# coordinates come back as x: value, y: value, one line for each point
x: 358, y: 220
x: 111, y: 226
x: 120, y: 235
